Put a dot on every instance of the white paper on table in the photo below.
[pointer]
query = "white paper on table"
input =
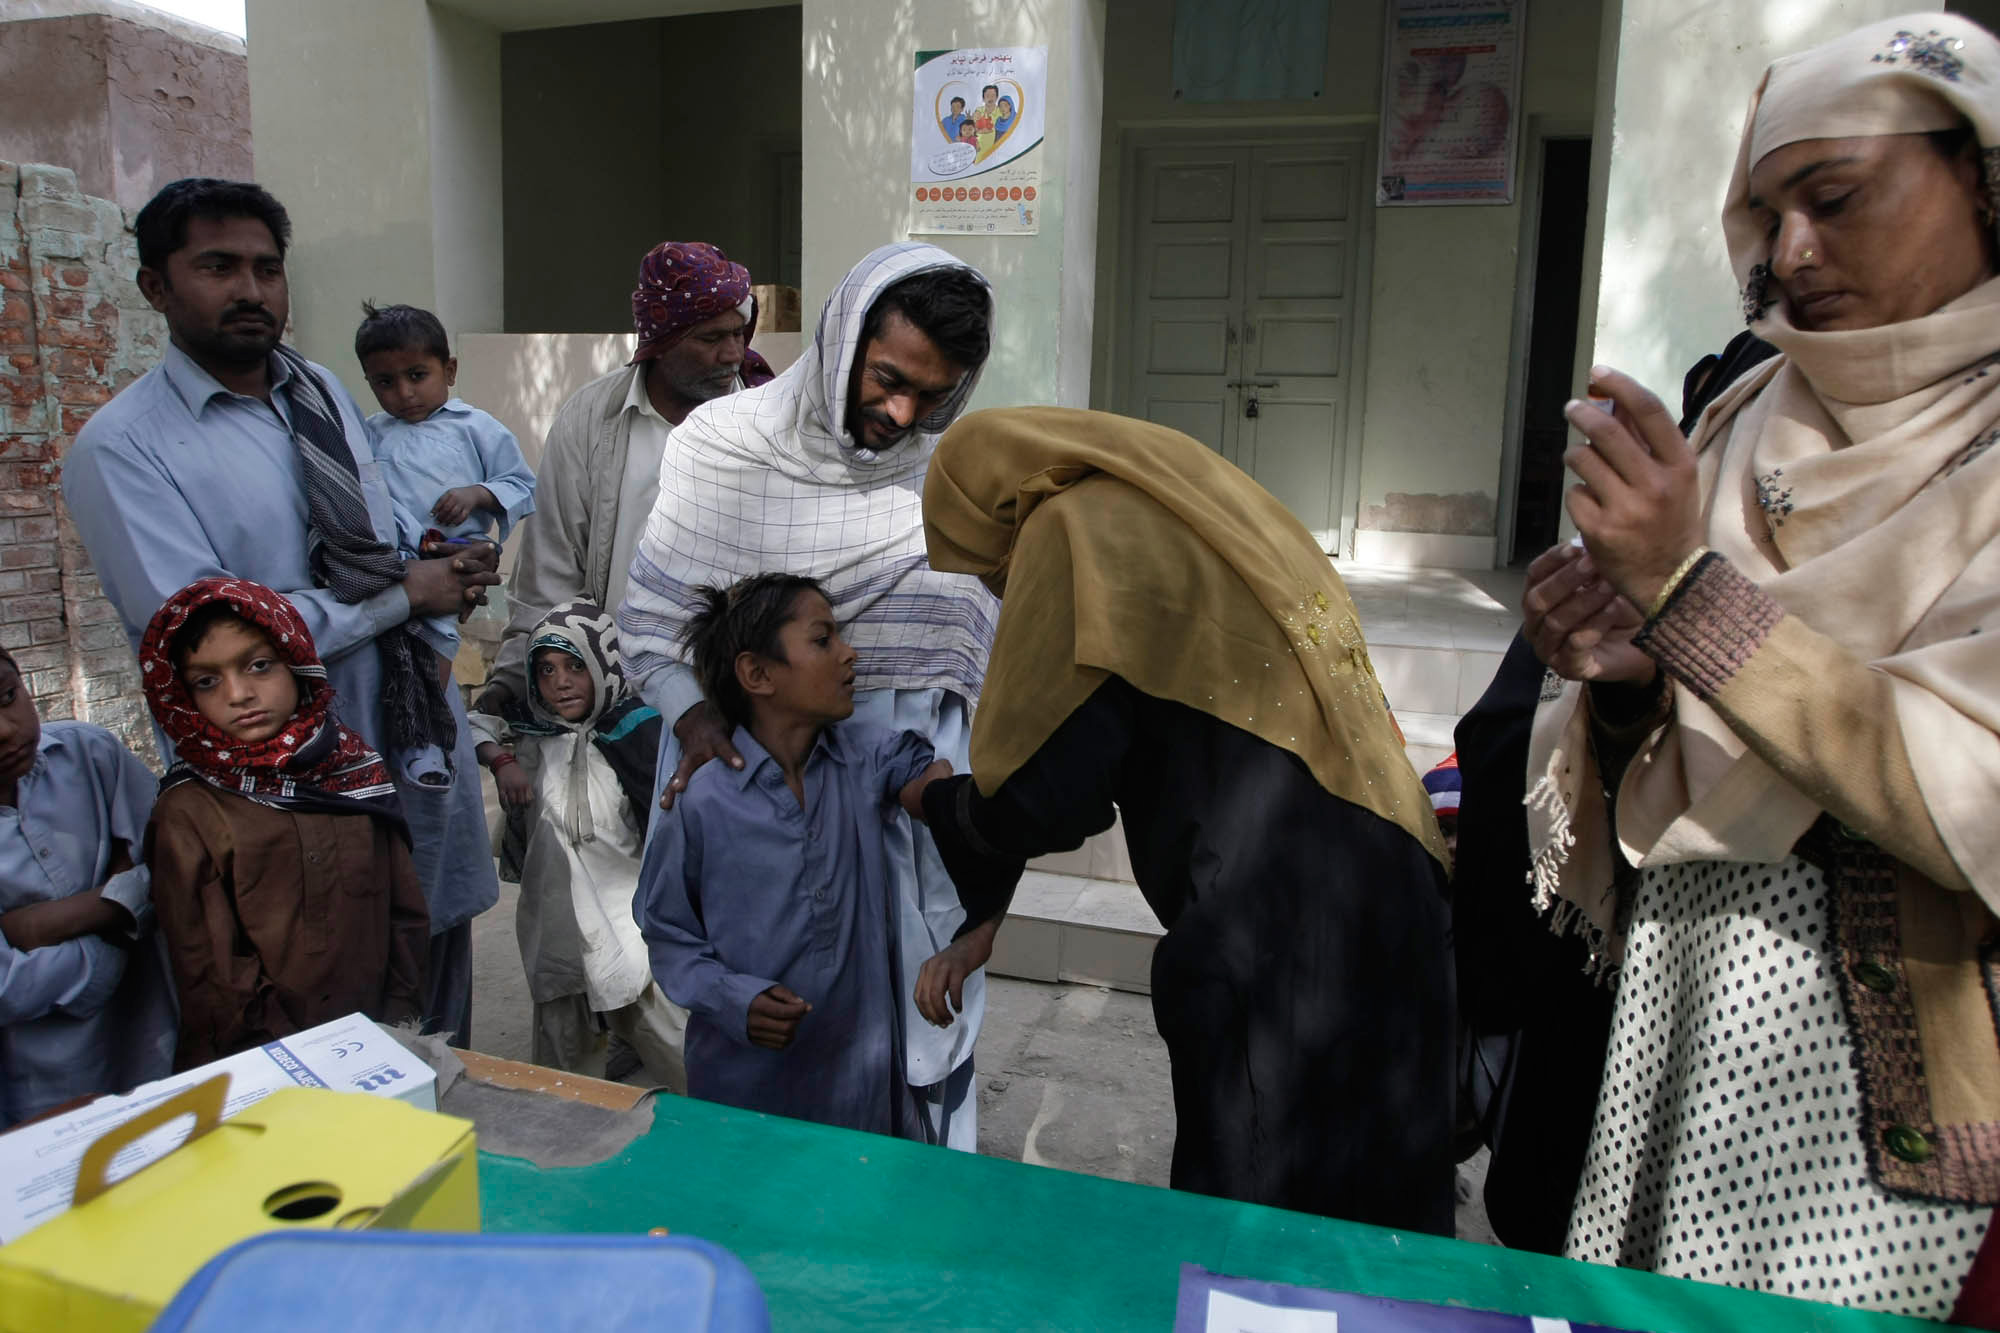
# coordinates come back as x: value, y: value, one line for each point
x: 1233, y: 1314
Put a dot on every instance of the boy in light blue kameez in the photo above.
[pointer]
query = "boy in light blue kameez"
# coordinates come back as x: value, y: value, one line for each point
x: 85, y: 1003
x: 446, y: 461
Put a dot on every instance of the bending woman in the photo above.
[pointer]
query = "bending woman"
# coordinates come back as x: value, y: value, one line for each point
x: 1173, y: 641
x: 1802, y: 1091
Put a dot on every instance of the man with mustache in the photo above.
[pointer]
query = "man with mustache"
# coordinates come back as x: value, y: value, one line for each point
x: 236, y: 456
x: 820, y: 473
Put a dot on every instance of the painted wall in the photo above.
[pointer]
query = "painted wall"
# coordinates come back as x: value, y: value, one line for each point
x: 1442, y: 280
x: 859, y: 58
x: 127, y: 105
x: 1666, y: 294
x: 467, y: 226
x: 356, y: 104
x: 1440, y: 352
x: 659, y: 129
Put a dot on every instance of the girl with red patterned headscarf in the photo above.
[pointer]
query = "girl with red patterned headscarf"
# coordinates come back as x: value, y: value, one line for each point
x: 281, y: 864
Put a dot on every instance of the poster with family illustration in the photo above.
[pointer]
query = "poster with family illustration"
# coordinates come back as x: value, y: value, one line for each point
x: 975, y: 140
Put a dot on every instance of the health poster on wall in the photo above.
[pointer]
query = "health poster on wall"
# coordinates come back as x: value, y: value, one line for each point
x: 1451, y: 90
x: 976, y: 141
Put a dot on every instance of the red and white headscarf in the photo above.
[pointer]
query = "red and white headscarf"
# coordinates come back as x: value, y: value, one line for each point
x: 314, y: 763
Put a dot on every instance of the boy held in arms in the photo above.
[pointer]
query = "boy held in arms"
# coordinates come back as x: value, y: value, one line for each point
x: 280, y: 859
x: 765, y: 896
x: 586, y: 747
x: 444, y: 460
x: 85, y: 1005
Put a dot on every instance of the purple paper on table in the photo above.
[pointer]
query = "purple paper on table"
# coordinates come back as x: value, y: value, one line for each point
x: 1212, y: 1303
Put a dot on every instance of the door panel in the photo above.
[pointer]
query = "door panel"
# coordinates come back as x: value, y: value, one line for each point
x: 1242, y: 310
x: 1307, y: 480
x: 1184, y: 326
x: 1188, y: 347
x: 1302, y: 269
x: 1201, y: 191
x: 1299, y: 311
x: 1297, y: 345
x: 1202, y: 420
x: 1310, y: 189
x: 1191, y: 271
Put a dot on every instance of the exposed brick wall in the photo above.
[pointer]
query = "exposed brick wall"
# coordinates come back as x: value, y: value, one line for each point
x: 74, y: 330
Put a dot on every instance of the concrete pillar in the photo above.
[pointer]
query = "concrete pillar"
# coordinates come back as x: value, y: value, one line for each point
x: 1674, y: 81
x: 377, y: 124
x: 858, y: 67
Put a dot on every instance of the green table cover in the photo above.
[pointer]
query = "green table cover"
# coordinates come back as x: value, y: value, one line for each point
x: 853, y: 1231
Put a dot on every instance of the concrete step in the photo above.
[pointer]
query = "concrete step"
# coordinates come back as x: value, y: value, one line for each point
x: 1071, y: 928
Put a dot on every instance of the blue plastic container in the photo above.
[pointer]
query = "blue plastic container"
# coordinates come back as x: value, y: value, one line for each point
x: 429, y: 1282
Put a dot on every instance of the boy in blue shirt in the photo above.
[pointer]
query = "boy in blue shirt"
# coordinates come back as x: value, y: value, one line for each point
x: 764, y: 895
x: 443, y: 459
x: 445, y: 462
x: 85, y: 1003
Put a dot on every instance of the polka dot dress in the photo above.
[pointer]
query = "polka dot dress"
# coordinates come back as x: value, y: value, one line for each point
x: 1727, y: 1144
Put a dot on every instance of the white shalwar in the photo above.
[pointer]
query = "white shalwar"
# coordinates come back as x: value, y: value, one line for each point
x: 603, y: 873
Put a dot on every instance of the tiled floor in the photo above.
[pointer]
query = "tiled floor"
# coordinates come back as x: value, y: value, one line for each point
x: 1435, y: 636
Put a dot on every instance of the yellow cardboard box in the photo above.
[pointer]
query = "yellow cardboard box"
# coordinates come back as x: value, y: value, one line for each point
x: 299, y: 1158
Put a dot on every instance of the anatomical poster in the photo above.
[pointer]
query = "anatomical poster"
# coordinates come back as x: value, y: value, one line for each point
x: 1451, y: 91
x: 976, y: 139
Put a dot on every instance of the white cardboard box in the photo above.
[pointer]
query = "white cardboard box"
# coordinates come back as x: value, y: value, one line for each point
x: 38, y: 1161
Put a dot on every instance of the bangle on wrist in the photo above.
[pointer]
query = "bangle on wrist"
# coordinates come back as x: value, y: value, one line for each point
x: 500, y: 761
x: 1674, y: 580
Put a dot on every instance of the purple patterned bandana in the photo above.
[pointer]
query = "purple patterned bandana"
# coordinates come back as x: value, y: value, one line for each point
x: 682, y: 284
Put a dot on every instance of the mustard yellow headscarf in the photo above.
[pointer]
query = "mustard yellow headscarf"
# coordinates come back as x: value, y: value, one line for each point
x: 1123, y: 548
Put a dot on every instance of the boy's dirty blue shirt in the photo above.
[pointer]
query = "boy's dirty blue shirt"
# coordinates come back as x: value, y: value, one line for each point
x: 178, y: 479
x: 85, y: 1016
x: 742, y: 889
x: 457, y: 445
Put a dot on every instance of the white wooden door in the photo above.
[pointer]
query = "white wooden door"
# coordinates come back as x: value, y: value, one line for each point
x: 1188, y: 291
x: 1243, y: 301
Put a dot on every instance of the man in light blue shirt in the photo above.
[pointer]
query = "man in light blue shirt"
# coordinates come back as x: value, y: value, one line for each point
x: 194, y: 471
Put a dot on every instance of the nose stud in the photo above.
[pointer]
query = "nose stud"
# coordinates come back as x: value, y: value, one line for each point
x: 1807, y: 256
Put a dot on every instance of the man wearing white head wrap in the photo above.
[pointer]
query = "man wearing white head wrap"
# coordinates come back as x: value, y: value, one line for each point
x: 820, y: 473
x: 1783, y: 670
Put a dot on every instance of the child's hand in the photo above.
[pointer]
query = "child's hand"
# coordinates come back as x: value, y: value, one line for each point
x: 941, y: 981
x: 457, y: 504
x: 41, y: 925
x: 774, y: 1018
x: 515, y: 789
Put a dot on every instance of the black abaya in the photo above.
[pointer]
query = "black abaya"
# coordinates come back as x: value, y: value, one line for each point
x: 1304, y: 985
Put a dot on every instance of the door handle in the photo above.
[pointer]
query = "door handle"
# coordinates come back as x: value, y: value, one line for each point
x: 1249, y: 384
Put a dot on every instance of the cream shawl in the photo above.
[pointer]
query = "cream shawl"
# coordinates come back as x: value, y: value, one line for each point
x: 1853, y: 479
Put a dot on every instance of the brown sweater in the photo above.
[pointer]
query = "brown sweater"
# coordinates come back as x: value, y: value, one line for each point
x: 276, y: 921
x: 1916, y: 951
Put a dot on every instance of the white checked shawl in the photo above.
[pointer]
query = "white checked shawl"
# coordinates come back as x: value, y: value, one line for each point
x: 768, y: 480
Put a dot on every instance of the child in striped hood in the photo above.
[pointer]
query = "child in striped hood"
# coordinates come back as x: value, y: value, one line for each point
x: 581, y: 764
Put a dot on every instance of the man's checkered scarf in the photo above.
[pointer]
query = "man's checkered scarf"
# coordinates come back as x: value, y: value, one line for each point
x: 348, y: 559
x: 769, y: 480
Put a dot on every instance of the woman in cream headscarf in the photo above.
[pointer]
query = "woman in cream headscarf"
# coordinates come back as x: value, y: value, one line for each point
x: 1172, y: 640
x: 1802, y: 1092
